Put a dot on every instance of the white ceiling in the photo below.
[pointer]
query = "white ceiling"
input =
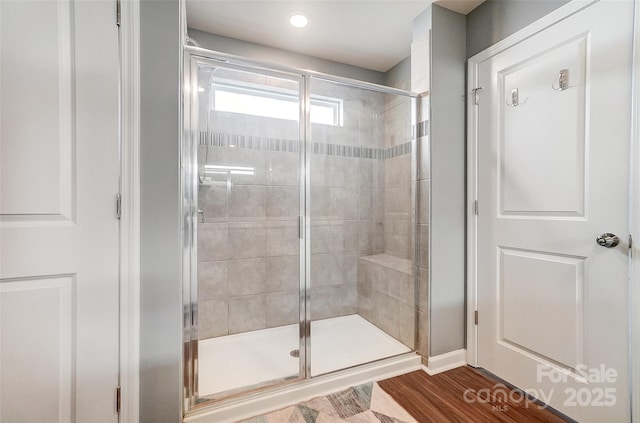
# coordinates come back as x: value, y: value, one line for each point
x: 372, y: 34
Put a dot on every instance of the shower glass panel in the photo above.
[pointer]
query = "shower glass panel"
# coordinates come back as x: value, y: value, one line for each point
x: 362, y: 175
x: 248, y: 136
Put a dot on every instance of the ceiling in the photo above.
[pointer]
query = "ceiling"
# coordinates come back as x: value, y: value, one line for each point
x: 372, y: 34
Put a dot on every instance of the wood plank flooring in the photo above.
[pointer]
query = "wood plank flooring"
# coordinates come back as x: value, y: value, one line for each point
x: 441, y: 399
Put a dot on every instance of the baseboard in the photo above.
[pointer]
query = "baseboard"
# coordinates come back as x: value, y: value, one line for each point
x: 443, y: 362
x: 303, y: 391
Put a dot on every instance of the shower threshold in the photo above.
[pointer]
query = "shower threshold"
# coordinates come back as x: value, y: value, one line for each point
x: 242, y: 360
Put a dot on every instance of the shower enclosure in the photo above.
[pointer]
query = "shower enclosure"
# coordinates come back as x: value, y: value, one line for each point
x: 299, y: 199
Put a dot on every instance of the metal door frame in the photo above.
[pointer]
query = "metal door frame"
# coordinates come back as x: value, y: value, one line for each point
x: 193, y: 56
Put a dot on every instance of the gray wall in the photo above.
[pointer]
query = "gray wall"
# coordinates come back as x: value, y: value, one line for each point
x: 399, y: 76
x: 447, y: 288
x: 495, y: 20
x: 160, y: 228
x: 283, y: 57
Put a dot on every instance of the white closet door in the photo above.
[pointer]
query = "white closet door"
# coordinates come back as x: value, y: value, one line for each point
x: 59, y: 172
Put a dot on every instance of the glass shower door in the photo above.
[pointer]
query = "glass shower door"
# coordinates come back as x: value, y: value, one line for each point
x: 246, y: 124
x: 362, y: 193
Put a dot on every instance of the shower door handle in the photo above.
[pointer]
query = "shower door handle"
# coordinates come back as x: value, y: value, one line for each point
x: 300, y: 227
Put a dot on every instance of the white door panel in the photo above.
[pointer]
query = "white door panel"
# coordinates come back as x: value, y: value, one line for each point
x: 59, y: 233
x: 37, y: 316
x: 553, y: 175
x: 526, y: 278
x: 37, y: 115
x: 532, y: 181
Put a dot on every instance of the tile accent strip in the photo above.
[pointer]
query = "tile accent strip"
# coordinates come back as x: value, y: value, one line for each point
x: 293, y: 146
x: 398, y: 150
x: 423, y: 128
x: 248, y: 141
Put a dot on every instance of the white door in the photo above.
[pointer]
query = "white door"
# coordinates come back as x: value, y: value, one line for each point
x: 59, y: 233
x: 552, y: 176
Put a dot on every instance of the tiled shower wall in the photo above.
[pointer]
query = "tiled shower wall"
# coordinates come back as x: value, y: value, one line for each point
x: 423, y: 201
x: 248, y: 245
x: 347, y: 200
x: 385, y: 281
x: 398, y: 215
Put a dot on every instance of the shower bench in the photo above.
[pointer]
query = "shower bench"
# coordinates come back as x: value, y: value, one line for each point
x: 386, y: 295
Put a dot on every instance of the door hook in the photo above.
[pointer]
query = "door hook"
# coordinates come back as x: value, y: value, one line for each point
x: 515, y: 99
x: 563, y: 80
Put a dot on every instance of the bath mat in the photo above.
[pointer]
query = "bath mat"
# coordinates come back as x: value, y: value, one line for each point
x: 366, y: 403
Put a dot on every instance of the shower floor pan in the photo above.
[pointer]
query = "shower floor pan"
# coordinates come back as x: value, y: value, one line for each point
x: 236, y: 361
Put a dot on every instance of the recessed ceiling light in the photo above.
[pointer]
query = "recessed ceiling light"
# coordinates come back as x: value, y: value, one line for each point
x: 299, y: 21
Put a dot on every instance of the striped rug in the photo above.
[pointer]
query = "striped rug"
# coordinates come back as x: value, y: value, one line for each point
x: 366, y: 403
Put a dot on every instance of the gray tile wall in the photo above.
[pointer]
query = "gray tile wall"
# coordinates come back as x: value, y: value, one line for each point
x: 248, y: 247
x: 398, y: 215
x: 423, y: 206
x: 386, y: 295
x: 347, y: 207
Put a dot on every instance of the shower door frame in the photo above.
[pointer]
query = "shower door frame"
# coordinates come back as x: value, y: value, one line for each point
x: 189, y: 188
x: 189, y: 149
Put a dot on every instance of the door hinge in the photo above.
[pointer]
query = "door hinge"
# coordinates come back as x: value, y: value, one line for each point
x: 118, y: 399
x: 118, y: 206
x: 118, y: 10
x: 630, y: 241
x: 475, y: 207
x: 475, y: 317
x: 476, y: 95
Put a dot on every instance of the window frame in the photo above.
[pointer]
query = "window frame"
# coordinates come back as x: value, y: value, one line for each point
x: 336, y: 105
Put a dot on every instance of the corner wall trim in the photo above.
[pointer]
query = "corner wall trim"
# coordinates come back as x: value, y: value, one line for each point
x: 129, y: 44
x: 443, y: 362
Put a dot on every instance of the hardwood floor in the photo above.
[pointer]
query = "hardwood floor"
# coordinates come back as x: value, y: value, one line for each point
x: 456, y: 396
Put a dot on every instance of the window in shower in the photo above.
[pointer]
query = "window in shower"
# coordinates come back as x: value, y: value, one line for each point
x: 273, y: 102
